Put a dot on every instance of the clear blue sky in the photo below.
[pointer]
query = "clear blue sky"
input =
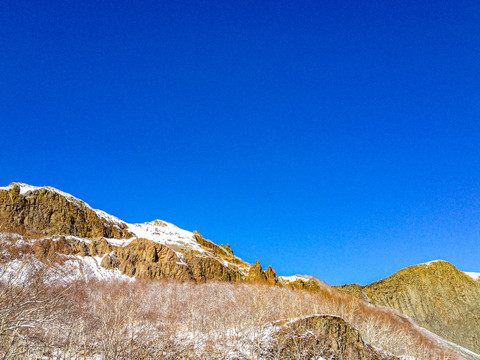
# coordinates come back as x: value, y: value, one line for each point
x: 339, y: 139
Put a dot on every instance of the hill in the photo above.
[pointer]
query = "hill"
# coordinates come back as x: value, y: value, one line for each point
x: 436, y: 295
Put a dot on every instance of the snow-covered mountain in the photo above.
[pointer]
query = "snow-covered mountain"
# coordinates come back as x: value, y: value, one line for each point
x: 59, y: 223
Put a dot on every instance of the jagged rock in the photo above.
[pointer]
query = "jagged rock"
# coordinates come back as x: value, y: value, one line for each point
x: 140, y: 258
x: 256, y: 273
x: 110, y: 262
x: 272, y: 277
x: 99, y: 247
x: 305, y: 284
x: 227, y: 248
x: 310, y: 337
x: 46, y: 211
x: 51, y: 248
x: 222, y: 251
x: 207, y: 268
x: 436, y: 295
x: 145, y: 258
x: 208, y: 244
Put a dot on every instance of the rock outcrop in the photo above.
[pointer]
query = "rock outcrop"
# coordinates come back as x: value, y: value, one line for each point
x: 271, y: 275
x: 436, y: 295
x: 256, y: 273
x: 318, y: 336
x: 47, y: 211
x: 303, y: 282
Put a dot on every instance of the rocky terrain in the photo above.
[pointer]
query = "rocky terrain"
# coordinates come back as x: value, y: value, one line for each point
x: 63, y: 224
x: 436, y: 295
x: 317, y: 336
x: 44, y: 230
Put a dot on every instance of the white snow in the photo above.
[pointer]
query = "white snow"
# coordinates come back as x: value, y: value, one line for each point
x: 431, y: 262
x: 474, y: 275
x: 68, y: 237
x: 24, y: 188
x: 107, y: 217
x: 294, y: 278
x: 167, y: 234
x: 13, y: 236
x: 18, y: 272
x: 74, y: 268
x: 88, y: 268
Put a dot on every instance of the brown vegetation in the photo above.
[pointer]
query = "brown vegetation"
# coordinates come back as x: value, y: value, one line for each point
x: 172, y: 320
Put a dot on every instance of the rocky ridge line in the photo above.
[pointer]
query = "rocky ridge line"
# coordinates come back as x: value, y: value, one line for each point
x: 63, y: 224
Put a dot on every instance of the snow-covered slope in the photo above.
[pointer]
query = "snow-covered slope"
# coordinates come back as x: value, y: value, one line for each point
x: 73, y: 268
x: 474, y: 275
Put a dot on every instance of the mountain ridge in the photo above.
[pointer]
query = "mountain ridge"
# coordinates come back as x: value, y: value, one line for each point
x: 45, y: 225
x: 155, y: 249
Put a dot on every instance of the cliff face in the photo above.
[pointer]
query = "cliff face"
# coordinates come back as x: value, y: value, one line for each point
x: 436, y: 295
x: 47, y: 211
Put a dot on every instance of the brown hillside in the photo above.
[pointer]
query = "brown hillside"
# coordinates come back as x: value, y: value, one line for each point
x: 436, y: 295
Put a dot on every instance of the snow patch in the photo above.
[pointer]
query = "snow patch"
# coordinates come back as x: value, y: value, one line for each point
x: 10, y: 236
x: 432, y: 262
x: 474, y: 275
x: 107, y: 217
x: 18, y: 272
x: 294, y: 278
x: 166, y: 234
x: 75, y: 267
x: 88, y: 268
x: 24, y: 188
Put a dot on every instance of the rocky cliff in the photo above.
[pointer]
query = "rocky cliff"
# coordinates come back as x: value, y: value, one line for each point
x: 63, y: 224
x: 48, y: 211
x: 436, y: 295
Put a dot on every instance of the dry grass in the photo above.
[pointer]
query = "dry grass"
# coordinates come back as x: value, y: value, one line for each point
x: 172, y: 320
